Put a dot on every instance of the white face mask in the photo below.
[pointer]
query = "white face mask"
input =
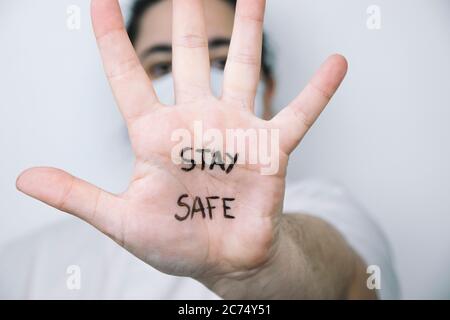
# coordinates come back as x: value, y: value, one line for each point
x: 165, y: 91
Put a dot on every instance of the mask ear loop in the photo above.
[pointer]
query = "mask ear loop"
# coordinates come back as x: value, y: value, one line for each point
x: 217, y: 76
x: 259, y: 105
x: 165, y: 92
x: 164, y: 89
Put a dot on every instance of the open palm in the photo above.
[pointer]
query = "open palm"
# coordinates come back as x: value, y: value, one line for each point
x: 231, y: 223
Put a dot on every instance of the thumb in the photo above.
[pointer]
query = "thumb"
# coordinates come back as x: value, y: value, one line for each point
x: 75, y: 196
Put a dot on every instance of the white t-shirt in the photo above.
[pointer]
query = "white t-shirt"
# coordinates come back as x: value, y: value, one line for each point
x: 43, y: 265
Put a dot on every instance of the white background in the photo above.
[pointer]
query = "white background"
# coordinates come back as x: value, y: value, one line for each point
x: 385, y: 135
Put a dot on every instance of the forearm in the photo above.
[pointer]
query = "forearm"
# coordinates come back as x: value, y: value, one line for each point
x: 333, y: 269
x: 311, y: 260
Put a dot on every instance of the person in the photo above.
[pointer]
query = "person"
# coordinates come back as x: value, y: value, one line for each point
x: 259, y: 239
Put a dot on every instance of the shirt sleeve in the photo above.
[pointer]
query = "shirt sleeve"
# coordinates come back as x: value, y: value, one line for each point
x: 333, y: 204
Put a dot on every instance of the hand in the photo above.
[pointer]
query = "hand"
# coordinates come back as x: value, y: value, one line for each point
x: 244, y: 234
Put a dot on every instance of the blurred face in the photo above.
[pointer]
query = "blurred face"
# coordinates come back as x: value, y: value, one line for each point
x: 153, y: 44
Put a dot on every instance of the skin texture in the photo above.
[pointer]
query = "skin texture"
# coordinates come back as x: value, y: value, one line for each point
x: 262, y: 253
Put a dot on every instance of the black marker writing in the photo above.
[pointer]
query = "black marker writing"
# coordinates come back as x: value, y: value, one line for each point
x: 199, y: 207
x: 225, y: 208
x: 217, y: 159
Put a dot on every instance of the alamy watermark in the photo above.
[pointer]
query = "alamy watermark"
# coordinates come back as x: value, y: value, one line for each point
x: 73, y: 20
x: 374, y: 280
x: 373, y: 21
x: 213, y: 147
x: 73, y: 281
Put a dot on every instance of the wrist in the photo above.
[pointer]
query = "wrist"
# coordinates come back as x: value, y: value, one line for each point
x: 281, y: 276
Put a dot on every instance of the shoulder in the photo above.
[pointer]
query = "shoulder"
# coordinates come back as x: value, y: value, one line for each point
x: 327, y: 199
x: 57, y: 239
x: 44, y: 265
x: 314, y: 188
x: 44, y: 256
x: 40, y: 265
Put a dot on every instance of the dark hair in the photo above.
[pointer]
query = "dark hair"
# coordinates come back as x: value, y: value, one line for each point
x: 140, y: 6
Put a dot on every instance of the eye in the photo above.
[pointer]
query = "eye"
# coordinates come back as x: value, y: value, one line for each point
x: 159, y: 69
x: 219, y: 63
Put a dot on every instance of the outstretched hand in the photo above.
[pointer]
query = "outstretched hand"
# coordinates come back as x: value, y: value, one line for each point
x: 203, y: 222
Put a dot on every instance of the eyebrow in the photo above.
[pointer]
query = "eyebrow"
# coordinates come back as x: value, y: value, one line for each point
x: 167, y: 48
